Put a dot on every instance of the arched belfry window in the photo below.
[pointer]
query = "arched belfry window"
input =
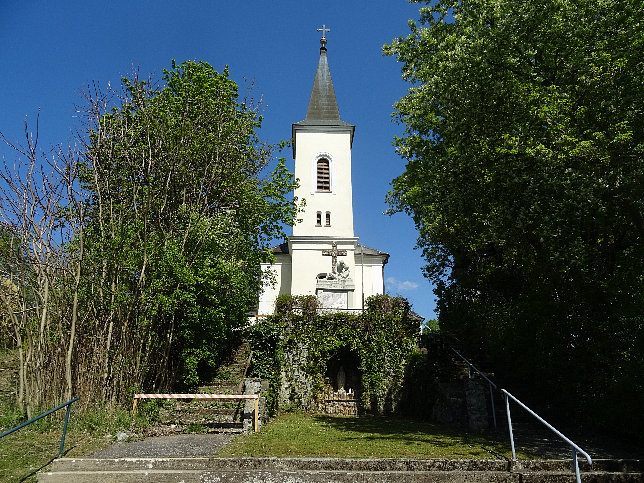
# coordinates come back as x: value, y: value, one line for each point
x: 323, y: 176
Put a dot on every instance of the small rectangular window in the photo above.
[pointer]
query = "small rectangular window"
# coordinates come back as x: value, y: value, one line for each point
x: 328, y: 218
x: 319, y: 219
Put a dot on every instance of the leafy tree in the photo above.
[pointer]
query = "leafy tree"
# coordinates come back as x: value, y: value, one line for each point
x: 130, y: 260
x: 524, y: 144
x: 178, y: 218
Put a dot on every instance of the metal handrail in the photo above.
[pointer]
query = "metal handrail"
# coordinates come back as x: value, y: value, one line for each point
x: 32, y: 420
x: 475, y: 368
x: 575, y: 449
x: 471, y: 366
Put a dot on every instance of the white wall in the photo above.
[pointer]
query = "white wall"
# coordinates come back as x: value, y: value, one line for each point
x: 310, y: 146
x: 308, y: 260
x: 281, y: 271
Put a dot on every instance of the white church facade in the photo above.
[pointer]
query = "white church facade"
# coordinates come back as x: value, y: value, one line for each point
x: 323, y: 257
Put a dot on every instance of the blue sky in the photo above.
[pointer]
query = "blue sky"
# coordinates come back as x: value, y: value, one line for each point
x: 50, y: 51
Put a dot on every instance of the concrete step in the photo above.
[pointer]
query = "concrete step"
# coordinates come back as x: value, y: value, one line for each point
x: 235, y: 367
x: 200, y: 408
x: 222, y: 387
x: 334, y: 470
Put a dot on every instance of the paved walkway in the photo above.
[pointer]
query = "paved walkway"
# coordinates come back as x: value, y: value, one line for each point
x: 531, y: 437
x: 173, y: 446
x: 528, y: 438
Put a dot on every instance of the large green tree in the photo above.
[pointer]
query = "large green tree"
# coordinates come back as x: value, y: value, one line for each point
x: 177, y: 221
x: 524, y: 145
x: 130, y: 261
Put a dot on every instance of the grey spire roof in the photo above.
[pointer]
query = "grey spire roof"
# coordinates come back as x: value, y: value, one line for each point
x: 323, y: 106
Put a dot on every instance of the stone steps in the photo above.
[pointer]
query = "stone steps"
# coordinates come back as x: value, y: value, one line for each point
x: 234, y: 369
x: 532, y: 437
x: 335, y: 470
x: 175, y: 415
x: 196, y: 411
x: 223, y: 387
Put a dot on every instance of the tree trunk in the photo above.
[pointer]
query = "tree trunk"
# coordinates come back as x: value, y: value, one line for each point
x: 72, y: 333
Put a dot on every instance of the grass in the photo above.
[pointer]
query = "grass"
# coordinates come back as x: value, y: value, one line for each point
x: 25, y: 452
x: 301, y: 435
x: 32, y: 448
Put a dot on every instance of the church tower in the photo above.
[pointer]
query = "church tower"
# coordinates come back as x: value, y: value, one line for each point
x: 323, y: 257
x: 322, y: 150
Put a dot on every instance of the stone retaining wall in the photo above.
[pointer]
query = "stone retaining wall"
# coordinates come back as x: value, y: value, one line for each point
x: 339, y: 402
x: 254, y: 387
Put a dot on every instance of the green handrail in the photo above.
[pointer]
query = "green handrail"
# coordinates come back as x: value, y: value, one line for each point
x: 62, y: 440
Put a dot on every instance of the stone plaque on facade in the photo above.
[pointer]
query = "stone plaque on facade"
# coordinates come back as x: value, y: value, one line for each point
x: 334, y: 299
x: 335, y: 284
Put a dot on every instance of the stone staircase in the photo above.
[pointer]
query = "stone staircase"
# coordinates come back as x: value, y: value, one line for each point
x: 334, y: 470
x: 530, y: 435
x: 177, y: 416
x: 205, y: 415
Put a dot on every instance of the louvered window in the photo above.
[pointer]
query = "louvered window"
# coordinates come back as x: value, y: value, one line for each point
x: 324, y: 176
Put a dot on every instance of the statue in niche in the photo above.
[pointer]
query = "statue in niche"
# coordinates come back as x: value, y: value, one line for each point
x: 341, y: 379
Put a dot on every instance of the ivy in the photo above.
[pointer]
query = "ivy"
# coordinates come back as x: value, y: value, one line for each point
x: 292, y: 348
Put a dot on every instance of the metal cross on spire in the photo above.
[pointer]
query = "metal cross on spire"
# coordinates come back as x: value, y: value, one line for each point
x: 324, y: 30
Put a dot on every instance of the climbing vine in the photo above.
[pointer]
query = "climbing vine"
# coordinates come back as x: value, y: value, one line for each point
x: 293, y: 347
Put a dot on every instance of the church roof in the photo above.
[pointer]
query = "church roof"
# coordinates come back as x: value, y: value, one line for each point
x: 369, y: 251
x: 360, y: 249
x: 282, y: 248
x: 323, y: 106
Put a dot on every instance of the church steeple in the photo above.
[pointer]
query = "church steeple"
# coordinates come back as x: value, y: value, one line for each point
x: 323, y: 105
x: 322, y: 151
x: 323, y: 257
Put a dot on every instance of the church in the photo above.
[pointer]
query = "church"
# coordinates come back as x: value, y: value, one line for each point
x: 323, y: 257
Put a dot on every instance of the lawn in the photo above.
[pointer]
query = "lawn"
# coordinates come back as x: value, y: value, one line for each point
x: 26, y: 451
x: 302, y: 435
